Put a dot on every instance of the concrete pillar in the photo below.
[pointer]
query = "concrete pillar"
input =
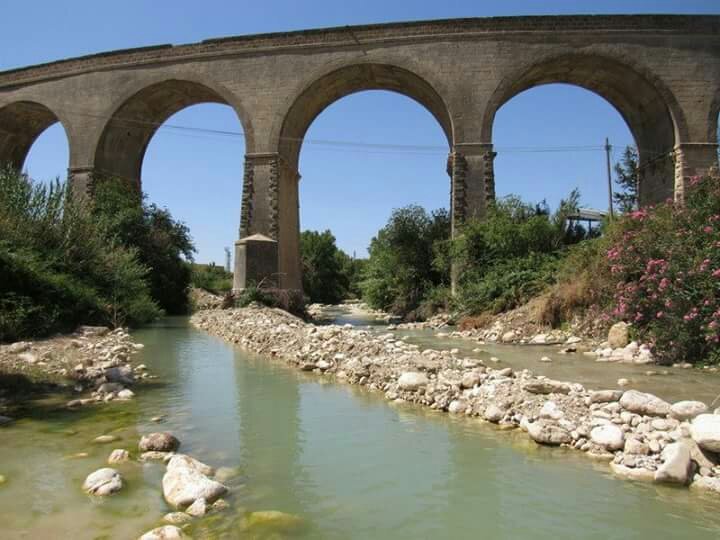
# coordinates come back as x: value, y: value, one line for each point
x: 655, y: 177
x: 256, y: 262
x: 472, y: 181
x: 290, y: 264
x: 693, y: 159
x: 80, y: 179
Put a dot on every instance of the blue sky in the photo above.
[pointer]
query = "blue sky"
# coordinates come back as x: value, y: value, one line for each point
x: 199, y: 176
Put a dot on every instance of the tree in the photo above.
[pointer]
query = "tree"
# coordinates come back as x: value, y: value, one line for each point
x: 325, y: 278
x: 401, y: 271
x: 163, y: 244
x: 626, y: 178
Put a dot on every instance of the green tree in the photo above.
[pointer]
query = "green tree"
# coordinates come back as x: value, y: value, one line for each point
x: 163, y: 244
x: 626, y: 179
x: 324, y: 267
x: 401, y: 269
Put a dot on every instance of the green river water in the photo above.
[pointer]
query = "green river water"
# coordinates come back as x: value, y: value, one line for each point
x: 343, y: 459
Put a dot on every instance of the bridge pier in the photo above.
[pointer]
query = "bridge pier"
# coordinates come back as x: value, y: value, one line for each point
x: 691, y: 160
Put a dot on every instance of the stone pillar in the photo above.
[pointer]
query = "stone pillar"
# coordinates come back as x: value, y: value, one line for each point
x: 290, y: 265
x: 655, y: 177
x: 693, y: 159
x: 81, y: 181
x: 259, y: 216
x: 472, y: 174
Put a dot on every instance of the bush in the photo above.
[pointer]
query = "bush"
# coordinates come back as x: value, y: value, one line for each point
x: 60, y: 267
x: 664, y: 267
x: 211, y: 278
x: 405, y: 263
x: 512, y: 255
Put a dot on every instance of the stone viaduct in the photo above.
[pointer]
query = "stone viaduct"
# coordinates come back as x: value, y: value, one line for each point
x: 661, y: 72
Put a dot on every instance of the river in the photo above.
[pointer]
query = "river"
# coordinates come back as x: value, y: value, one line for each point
x: 343, y: 459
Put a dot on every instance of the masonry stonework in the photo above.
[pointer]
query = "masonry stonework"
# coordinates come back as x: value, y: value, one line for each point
x: 661, y: 72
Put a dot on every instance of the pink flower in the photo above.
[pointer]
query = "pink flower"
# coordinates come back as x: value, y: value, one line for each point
x: 708, y: 229
x: 659, y: 315
x: 716, y: 273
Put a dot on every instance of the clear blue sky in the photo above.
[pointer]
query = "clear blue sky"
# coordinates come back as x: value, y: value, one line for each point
x: 199, y: 177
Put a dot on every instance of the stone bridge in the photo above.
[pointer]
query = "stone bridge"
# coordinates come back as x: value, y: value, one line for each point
x: 661, y: 72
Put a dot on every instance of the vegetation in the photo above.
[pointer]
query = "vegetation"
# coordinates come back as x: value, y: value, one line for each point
x: 626, y: 180
x: 406, y: 265
x: 212, y: 278
x: 66, y: 261
x: 324, y: 268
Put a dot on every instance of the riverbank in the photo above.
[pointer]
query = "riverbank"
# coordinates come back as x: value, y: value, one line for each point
x: 640, y: 435
x: 92, y: 365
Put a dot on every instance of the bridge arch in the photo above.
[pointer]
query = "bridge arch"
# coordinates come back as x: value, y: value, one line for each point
x: 324, y: 89
x: 317, y: 93
x: 138, y: 114
x: 21, y: 123
x: 648, y: 108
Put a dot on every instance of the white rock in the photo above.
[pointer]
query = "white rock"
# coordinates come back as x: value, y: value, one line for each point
x: 550, y: 411
x: 125, y: 394
x: 642, y: 403
x: 677, y: 466
x: 687, y: 410
x: 183, y: 484
x: 105, y: 481
x: 705, y: 431
x: 412, y: 380
x: 545, y: 432
x: 609, y: 436
x: 198, y: 508
x: 619, y: 335
x: 118, y: 456
x: 493, y: 414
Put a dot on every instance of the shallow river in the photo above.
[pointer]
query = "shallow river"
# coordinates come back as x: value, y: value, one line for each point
x: 347, y: 462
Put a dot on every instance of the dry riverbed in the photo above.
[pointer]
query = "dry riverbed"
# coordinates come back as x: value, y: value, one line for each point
x: 640, y: 435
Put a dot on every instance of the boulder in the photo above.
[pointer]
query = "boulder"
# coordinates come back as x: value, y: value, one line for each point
x: 197, y: 509
x: 121, y: 374
x: 642, y: 403
x: 609, y: 436
x: 493, y: 414
x: 105, y: 481
x: 412, y: 380
x: 636, y: 473
x: 118, y: 456
x: 166, y: 532
x: 183, y: 484
x: 550, y: 411
x: 635, y: 446
x: 125, y: 394
x: 677, y: 467
x: 619, y: 335
x: 470, y: 379
x: 178, y: 461
x: 705, y: 431
x: 687, y: 410
x: 159, y: 442
x: 605, y: 396
x: 544, y: 432
x: 508, y: 337
x: 547, y: 386
x: 706, y: 483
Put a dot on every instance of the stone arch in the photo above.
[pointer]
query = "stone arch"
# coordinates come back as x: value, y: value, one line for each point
x: 326, y: 88
x: 138, y: 114
x: 648, y: 108
x: 21, y: 123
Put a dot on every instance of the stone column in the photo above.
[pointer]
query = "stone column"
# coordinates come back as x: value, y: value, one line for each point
x: 81, y: 181
x: 655, y: 177
x: 290, y: 266
x: 693, y: 159
x: 259, y: 216
x: 472, y: 174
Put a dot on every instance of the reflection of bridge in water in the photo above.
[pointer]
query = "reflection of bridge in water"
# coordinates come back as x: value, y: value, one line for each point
x: 661, y: 72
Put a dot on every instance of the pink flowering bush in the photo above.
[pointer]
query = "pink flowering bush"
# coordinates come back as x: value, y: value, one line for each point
x: 664, y: 267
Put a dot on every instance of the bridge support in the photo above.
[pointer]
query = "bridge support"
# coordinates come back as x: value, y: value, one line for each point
x: 472, y: 188
x: 693, y: 159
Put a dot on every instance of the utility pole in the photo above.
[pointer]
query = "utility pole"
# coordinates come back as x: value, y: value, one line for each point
x: 609, y: 177
x: 227, y: 259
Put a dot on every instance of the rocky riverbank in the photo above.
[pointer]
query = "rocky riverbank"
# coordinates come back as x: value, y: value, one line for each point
x: 94, y: 365
x: 639, y: 434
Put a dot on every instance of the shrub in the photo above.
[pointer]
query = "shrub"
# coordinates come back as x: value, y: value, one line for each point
x: 324, y: 268
x: 211, y: 278
x: 665, y: 264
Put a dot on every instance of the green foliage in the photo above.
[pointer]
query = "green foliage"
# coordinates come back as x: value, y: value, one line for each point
x: 326, y: 269
x: 626, y: 179
x: 163, y: 245
x: 402, y: 267
x: 511, y: 256
x: 60, y: 267
x: 211, y: 278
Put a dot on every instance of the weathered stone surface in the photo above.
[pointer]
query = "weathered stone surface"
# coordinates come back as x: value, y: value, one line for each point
x: 412, y: 380
x: 609, y: 436
x: 642, y: 403
x: 166, y: 532
x: 183, y: 484
x: 637, y: 473
x: 183, y: 461
x: 677, y: 467
x: 619, y: 335
x: 158, y: 442
x: 687, y: 410
x: 547, y: 386
x: 118, y: 456
x: 103, y: 482
x: 705, y: 431
x: 705, y: 483
x: 544, y: 432
x: 197, y: 509
x: 493, y: 414
x: 605, y: 396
